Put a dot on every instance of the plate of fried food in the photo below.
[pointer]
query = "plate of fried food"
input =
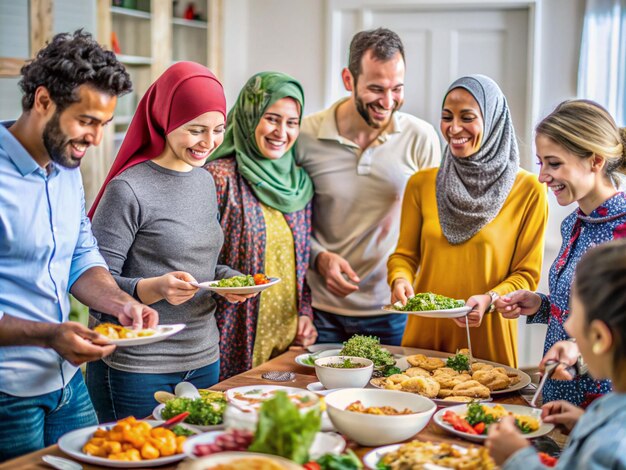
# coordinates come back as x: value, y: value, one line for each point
x: 430, y: 305
x: 428, y: 456
x: 129, y: 443
x: 451, y: 379
x: 246, y: 284
x: 123, y: 336
x: 472, y: 421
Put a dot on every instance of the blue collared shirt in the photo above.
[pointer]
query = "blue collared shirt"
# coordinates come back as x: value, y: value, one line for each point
x: 46, y: 244
x: 598, y: 441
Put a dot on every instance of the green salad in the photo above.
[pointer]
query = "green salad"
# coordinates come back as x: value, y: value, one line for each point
x: 368, y: 347
x: 429, y: 301
x: 236, y: 281
x: 206, y: 411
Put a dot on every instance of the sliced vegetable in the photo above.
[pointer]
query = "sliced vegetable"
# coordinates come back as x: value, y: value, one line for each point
x: 458, y: 423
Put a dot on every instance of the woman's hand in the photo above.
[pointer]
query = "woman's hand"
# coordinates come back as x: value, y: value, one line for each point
x: 173, y: 287
x: 401, y: 290
x: 562, y: 413
x: 306, y: 334
x: 519, y: 302
x: 504, y: 440
x: 237, y: 298
x: 480, y: 304
x: 565, y: 352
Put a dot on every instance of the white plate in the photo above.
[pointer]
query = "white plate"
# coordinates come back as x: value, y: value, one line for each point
x: 324, y: 443
x: 157, y: 413
x: 318, y: 388
x: 211, y: 285
x: 323, y: 347
x: 263, y: 392
x: 372, y: 458
x: 448, y: 313
x: 227, y: 457
x: 72, y: 444
x: 162, y: 332
x: 328, y: 352
x: 544, y: 428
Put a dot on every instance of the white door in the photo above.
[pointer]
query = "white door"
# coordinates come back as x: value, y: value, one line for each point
x: 443, y: 43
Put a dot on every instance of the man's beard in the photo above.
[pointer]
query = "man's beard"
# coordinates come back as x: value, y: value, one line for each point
x: 57, y: 144
x: 362, y: 109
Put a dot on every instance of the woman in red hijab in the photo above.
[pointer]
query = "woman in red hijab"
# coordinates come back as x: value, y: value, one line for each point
x: 156, y: 221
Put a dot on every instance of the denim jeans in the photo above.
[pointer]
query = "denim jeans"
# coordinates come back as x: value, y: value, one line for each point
x: 333, y: 328
x: 28, y: 424
x: 117, y: 394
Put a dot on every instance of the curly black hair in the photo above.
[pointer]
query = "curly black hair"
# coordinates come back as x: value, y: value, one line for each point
x: 68, y: 61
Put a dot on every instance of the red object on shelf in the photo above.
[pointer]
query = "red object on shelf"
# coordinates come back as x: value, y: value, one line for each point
x: 115, y: 44
x: 190, y: 12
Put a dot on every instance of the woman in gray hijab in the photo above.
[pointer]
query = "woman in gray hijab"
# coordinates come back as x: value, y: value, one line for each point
x: 472, y: 229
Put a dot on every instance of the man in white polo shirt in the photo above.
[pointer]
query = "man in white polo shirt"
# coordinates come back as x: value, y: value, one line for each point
x: 360, y: 153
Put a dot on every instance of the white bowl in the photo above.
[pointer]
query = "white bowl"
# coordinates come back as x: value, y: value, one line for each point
x: 334, y: 377
x: 378, y: 430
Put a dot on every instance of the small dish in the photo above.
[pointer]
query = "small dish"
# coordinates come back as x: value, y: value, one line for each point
x: 304, y: 359
x: 318, y: 388
x: 161, y: 332
x: 448, y: 313
x: 211, y: 285
x: 339, y: 377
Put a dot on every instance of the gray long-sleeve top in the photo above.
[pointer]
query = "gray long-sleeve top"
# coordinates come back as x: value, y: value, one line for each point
x: 152, y: 221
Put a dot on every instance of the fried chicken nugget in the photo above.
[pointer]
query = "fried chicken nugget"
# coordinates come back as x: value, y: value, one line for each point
x: 428, y: 363
x: 471, y: 388
x: 417, y: 372
x: 480, y: 366
x: 495, y: 379
x: 397, y: 378
x: 445, y: 371
x: 445, y: 392
x: 458, y: 398
x: 425, y: 386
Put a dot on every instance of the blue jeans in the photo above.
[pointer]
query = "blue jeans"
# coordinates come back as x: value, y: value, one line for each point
x: 333, y: 328
x: 28, y: 424
x: 117, y: 394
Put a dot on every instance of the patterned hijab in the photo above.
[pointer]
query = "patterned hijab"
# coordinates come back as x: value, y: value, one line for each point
x: 183, y: 92
x: 280, y: 183
x: 472, y: 190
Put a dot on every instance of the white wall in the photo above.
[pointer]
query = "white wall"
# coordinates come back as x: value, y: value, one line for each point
x: 289, y: 36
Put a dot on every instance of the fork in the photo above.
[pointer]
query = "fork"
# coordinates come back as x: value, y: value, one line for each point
x: 549, y: 370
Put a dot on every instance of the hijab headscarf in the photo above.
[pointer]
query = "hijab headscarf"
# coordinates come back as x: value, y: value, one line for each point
x: 472, y: 190
x: 280, y: 183
x: 184, y: 91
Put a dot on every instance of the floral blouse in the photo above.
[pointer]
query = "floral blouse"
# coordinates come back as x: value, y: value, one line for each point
x: 244, y: 250
x: 580, y: 233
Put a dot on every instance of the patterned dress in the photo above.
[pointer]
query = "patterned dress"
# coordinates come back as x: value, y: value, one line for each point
x: 244, y: 250
x: 580, y: 233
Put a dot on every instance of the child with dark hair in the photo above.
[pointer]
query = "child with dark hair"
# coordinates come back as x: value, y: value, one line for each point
x: 47, y: 248
x: 597, y: 321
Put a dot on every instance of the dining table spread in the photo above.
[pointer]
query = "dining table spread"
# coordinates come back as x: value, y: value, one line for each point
x: 303, y: 376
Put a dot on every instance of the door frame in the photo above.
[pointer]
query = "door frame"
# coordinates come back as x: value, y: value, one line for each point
x: 363, y: 11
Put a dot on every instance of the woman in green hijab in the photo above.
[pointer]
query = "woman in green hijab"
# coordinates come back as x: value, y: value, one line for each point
x: 264, y: 203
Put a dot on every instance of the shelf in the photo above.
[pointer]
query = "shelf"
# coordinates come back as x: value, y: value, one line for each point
x: 189, y: 23
x: 134, y: 59
x: 144, y: 15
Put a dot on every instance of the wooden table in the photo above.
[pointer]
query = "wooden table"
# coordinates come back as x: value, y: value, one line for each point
x: 284, y: 362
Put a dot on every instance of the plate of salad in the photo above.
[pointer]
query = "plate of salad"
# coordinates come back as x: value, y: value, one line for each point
x: 205, y: 413
x: 472, y: 421
x: 246, y: 284
x: 430, y: 305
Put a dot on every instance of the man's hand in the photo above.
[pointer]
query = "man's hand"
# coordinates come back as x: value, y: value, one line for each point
x: 562, y: 413
x: 401, y: 290
x: 480, y: 304
x: 565, y: 352
x: 504, y: 440
x: 138, y: 316
x: 306, y: 334
x: 333, y: 267
x: 519, y: 302
x: 77, y: 343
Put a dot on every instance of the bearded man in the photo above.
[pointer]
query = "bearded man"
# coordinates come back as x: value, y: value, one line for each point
x: 360, y: 153
x: 46, y: 246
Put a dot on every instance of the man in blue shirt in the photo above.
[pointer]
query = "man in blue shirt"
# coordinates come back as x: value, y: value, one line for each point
x: 46, y: 246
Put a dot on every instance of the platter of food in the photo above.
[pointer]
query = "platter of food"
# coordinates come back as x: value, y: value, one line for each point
x: 428, y: 456
x: 243, y: 285
x: 430, y: 305
x: 241, y: 461
x: 123, y: 336
x: 451, y: 379
x: 206, y: 413
x: 252, y: 396
x: 129, y: 443
x: 471, y: 421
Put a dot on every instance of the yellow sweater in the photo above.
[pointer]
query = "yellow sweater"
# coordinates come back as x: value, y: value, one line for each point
x: 504, y: 256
